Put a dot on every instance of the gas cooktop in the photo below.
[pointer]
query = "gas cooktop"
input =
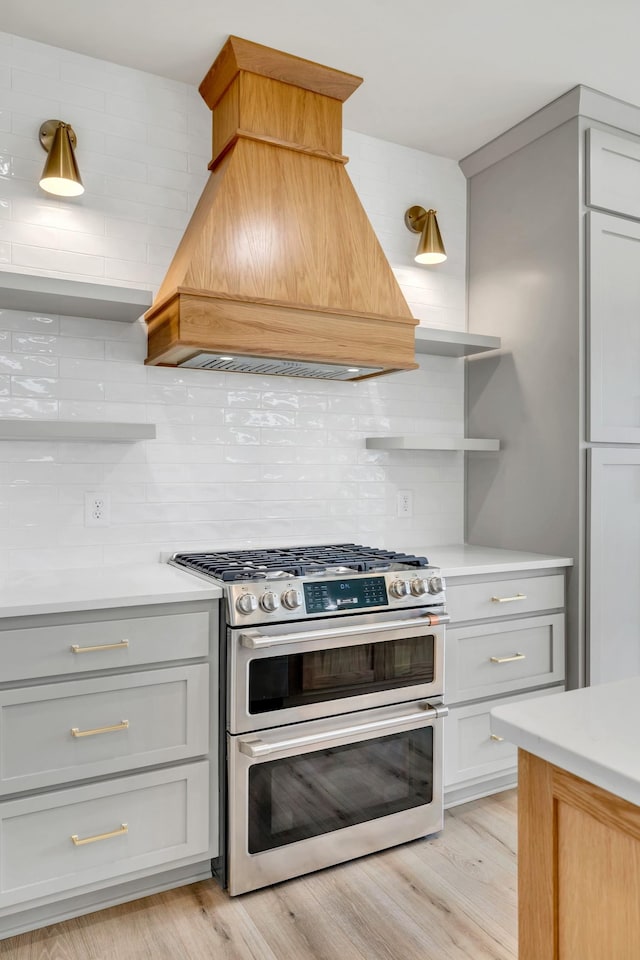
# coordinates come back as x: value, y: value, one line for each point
x: 283, y: 563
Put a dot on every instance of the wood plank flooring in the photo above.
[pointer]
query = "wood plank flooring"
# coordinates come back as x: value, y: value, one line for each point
x: 449, y: 898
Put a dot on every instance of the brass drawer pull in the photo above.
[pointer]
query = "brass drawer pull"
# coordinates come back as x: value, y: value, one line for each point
x: 494, y: 736
x: 123, y: 725
x: 515, y: 656
x: 120, y: 832
x: 101, y: 646
x: 518, y: 596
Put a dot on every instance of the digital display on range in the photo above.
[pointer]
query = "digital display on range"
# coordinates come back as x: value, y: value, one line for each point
x: 345, y: 595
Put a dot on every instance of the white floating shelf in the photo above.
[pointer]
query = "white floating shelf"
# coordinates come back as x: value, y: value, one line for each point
x: 76, y: 430
x: 430, y: 443
x: 72, y: 298
x: 453, y: 343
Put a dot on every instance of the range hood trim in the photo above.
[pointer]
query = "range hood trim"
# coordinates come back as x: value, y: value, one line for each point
x: 176, y: 333
x: 239, y: 54
x: 162, y: 305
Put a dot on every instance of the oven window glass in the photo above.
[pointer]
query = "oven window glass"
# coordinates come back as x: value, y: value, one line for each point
x: 315, y: 793
x: 277, y: 683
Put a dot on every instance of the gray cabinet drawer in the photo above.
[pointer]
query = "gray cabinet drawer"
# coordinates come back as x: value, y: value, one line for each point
x: 613, y: 173
x: 74, y: 647
x: 504, y: 598
x: 165, y: 815
x: 492, y: 659
x: 469, y: 751
x: 120, y: 723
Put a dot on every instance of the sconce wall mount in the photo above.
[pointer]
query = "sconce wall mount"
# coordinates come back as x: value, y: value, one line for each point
x: 430, y: 246
x: 60, y: 176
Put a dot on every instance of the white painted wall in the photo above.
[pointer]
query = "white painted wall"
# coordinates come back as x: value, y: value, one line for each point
x: 239, y: 460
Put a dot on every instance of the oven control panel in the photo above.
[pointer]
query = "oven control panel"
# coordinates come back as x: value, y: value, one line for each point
x: 329, y: 596
x: 305, y: 598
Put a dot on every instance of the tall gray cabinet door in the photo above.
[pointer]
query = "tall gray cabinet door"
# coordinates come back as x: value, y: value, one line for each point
x: 614, y: 567
x: 614, y: 329
x: 613, y: 172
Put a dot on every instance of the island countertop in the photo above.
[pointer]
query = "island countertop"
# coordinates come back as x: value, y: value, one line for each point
x: 592, y: 733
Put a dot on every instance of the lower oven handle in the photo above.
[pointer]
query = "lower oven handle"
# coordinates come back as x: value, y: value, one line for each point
x: 258, y: 748
x: 257, y: 641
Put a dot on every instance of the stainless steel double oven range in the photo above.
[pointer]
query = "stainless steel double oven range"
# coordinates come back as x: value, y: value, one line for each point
x: 334, y: 661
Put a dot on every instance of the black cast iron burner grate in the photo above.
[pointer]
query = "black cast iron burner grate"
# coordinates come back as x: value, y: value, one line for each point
x: 265, y: 564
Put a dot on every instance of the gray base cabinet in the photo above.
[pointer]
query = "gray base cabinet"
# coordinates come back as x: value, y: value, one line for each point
x: 57, y: 842
x: 108, y: 764
x: 614, y: 511
x: 506, y: 642
x: 475, y: 761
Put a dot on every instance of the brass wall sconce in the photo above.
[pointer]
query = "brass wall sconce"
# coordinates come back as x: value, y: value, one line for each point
x: 60, y: 175
x: 430, y: 246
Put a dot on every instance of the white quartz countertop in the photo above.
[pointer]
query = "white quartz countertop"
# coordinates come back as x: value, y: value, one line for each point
x: 592, y: 733
x: 61, y: 591
x: 58, y: 591
x: 462, y: 560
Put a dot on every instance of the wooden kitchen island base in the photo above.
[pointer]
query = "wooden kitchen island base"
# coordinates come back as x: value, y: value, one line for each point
x: 579, y: 868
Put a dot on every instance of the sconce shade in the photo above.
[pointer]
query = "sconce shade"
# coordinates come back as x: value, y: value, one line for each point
x: 430, y: 246
x: 60, y: 175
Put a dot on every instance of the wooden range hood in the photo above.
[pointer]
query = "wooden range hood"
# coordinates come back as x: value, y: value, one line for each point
x: 279, y: 270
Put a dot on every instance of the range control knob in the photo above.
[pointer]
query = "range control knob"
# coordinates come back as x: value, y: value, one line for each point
x: 399, y: 589
x: 269, y: 601
x: 291, y: 599
x: 419, y: 587
x: 436, y: 585
x: 246, y: 603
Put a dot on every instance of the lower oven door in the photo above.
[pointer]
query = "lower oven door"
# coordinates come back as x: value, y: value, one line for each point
x: 286, y: 673
x: 315, y: 794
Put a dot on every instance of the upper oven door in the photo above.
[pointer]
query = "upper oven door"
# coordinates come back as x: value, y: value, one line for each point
x: 286, y: 673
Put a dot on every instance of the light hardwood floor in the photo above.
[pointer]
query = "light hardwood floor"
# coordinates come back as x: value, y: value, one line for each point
x: 448, y: 898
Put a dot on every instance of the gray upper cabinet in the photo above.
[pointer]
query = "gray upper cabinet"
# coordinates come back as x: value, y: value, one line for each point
x: 613, y: 173
x: 554, y: 270
x: 614, y: 328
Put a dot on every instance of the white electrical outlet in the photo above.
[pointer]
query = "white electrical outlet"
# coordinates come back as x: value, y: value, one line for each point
x: 97, y: 510
x: 405, y: 503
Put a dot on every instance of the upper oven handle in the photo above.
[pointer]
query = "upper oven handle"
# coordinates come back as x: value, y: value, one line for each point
x: 256, y: 748
x: 254, y: 640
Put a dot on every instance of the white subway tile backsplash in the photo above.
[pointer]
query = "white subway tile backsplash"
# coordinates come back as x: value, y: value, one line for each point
x: 54, y: 261
x: 147, y: 193
x: 24, y: 450
x: 33, y: 343
x: 42, y: 63
x: 118, y: 350
x: 147, y: 274
x: 71, y: 94
x: 34, y: 106
x: 21, y: 408
x: 27, y: 209
x: 89, y: 410
x: 30, y: 386
x: 42, y: 366
x: 238, y: 460
x: 56, y: 558
x: 24, y: 322
x: 78, y: 369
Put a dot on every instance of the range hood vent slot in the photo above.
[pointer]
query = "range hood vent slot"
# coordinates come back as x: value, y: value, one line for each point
x: 279, y: 266
x: 279, y: 368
